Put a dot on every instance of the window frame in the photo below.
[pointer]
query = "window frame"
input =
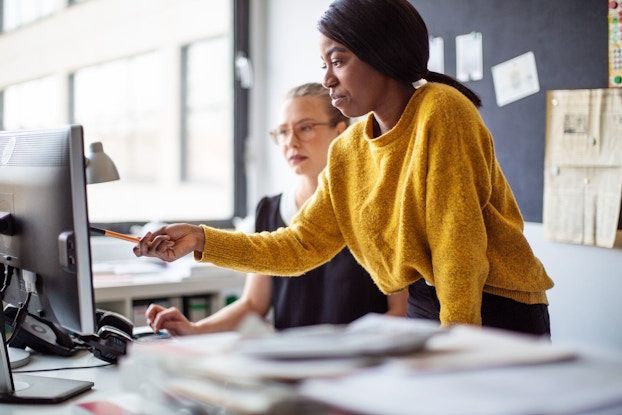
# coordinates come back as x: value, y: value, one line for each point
x: 241, y: 45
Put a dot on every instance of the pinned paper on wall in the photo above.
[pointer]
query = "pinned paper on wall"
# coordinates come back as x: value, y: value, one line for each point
x: 469, y: 57
x: 436, y: 63
x: 515, y: 79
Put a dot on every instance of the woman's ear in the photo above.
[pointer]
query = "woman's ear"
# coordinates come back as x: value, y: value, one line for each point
x: 341, y: 127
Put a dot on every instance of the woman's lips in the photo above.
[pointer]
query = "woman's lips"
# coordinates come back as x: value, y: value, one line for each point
x: 296, y: 159
x: 336, y: 100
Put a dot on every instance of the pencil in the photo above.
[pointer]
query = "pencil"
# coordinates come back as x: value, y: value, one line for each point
x: 114, y: 234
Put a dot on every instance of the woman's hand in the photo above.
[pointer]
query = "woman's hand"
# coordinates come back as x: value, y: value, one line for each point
x: 171, y: 319
x: 171, y: 242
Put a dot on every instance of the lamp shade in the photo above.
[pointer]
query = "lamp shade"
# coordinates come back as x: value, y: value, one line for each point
x: 99, y: 167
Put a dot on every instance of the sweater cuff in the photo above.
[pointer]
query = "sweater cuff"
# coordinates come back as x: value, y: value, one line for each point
x: 199, y: 256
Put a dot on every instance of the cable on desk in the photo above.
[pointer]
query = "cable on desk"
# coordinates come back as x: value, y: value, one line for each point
x: 7, y: 271
x: 18, y: 321
x: 62, y: 368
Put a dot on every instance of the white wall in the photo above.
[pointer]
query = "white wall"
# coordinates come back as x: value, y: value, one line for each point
x: 584, y: 304
x: 286, y: 53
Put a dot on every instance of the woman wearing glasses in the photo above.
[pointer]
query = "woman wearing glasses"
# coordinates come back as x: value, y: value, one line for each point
x: 337, y: 292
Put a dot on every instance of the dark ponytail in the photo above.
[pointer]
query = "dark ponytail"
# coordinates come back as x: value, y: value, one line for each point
x: 446, y: 79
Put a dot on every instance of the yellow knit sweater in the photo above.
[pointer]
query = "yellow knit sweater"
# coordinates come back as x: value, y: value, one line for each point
x: 427, y: 199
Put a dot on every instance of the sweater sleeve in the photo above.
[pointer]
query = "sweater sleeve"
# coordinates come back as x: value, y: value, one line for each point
x: 312, y: 239
x: 460, y: 159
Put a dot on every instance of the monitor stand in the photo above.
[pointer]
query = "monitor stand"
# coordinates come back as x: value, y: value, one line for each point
x: 28, y: 389
x: 18, y: 357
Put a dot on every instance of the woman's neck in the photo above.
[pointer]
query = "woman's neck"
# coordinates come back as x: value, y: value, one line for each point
x: 304, y: 189
x: 386, y: 118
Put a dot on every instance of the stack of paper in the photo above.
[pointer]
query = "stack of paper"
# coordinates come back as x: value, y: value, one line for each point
x: 376, y: 365
x: 481, y: 372
x: 256, y: 370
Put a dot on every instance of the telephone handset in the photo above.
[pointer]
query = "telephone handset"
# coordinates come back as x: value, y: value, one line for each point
x: 40, y: 335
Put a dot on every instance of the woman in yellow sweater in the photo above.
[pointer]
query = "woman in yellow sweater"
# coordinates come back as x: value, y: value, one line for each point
x: 414, y: 189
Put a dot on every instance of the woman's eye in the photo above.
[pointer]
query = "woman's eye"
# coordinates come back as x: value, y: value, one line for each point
x: 305, y: 127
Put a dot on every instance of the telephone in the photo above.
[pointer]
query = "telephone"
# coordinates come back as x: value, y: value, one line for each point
x: 114, y: 331
x: 40, y: 335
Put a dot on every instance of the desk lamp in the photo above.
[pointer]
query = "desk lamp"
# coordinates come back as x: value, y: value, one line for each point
x: 99, y: 167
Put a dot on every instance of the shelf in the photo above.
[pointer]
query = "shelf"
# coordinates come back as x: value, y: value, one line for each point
x: 121, y: 293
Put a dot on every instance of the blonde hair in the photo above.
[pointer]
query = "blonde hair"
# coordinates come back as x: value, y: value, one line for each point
x: 314, y: 89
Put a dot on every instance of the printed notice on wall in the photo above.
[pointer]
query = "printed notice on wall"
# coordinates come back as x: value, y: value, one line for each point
x: 583, y: 166
x: 469, y: 57
x: 436, y: 62
x: 515, y: 79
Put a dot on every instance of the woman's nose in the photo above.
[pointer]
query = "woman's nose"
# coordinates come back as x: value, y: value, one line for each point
x: 329, y: 79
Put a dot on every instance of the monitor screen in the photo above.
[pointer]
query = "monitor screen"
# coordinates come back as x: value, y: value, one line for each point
x: 44, y: 231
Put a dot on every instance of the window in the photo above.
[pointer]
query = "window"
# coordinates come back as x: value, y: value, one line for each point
x: 208, y: 116
x: 16, y: 13
x: 165, y: 174
x: 154, y: 84
x: 31, y: 104
x: 118, y: 104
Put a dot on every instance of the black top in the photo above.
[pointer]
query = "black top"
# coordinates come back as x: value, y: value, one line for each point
x: 337, y: 292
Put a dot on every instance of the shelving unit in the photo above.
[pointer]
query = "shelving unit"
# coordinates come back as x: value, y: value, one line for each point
x: 127, y: 285
x: 128, y: 294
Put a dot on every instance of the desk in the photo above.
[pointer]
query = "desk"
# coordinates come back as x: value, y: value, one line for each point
x: 463, y: 371
x: 106, y: 380
x: 596, y: 376
x: 110, y: 386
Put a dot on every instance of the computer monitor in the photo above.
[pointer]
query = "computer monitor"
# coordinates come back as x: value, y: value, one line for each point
x: 44, y: 238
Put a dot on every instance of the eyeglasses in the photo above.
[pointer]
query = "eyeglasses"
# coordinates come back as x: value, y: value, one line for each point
x: 304, y: 132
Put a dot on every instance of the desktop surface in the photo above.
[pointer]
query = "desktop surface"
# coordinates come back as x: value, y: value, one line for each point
x: 83, y: 366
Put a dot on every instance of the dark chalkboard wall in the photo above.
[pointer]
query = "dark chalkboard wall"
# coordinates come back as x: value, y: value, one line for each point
x: 569, y: 41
